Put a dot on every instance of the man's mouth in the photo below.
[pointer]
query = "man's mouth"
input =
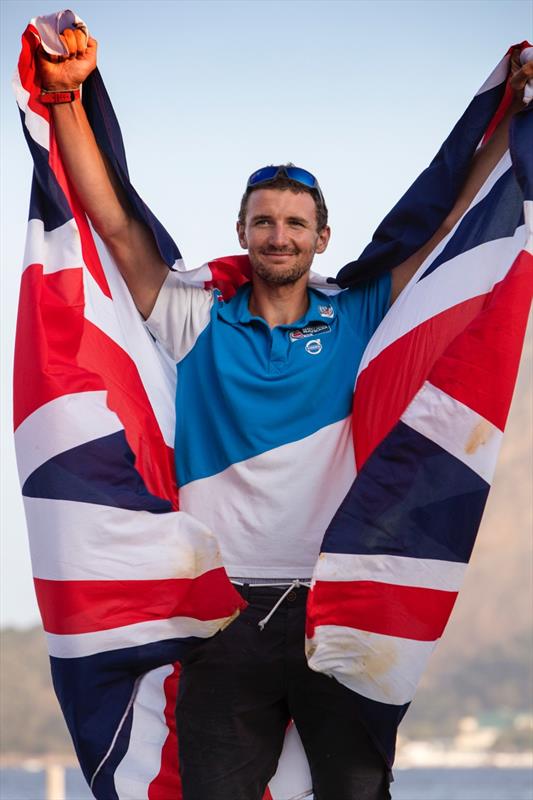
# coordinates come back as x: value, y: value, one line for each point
x: 278, y: 254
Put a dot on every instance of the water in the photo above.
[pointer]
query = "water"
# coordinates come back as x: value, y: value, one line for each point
x: 21, y: 784
x: 487, y: 783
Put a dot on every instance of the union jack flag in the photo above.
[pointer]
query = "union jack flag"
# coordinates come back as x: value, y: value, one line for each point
x: 127, y: 583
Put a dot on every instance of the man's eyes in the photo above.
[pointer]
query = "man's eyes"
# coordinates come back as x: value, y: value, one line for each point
x: 295, y: 223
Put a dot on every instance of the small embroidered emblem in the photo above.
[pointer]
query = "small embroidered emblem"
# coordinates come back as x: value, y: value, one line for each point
x: 314, y: 347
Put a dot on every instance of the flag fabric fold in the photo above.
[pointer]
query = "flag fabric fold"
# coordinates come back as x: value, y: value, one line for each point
x: 126, y: 582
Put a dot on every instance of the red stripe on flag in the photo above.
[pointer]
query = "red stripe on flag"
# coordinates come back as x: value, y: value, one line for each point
x: 127, y: 396
x: 374, y: 419
x: 481, y: 365
x: 507, y: 99
x: 29, y: 76
x: 50, y: 327
x: 228, y: 274
x: 408, y: 612
x: 59, y: 352
x: 91, y: 259
x: 167, y: 783
x: 71, y: 607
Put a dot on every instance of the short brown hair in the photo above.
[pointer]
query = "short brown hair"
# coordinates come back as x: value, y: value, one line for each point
x: 283, y: 183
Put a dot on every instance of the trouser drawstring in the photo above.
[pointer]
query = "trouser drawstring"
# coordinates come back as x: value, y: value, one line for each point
x: 294, y: 585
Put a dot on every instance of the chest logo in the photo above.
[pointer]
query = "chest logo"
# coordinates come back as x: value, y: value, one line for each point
x: 308, y: 330
x: 314, y: 347
x: 326, y: 311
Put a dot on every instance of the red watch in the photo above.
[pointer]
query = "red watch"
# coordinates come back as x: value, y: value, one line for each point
x: 67, y: 96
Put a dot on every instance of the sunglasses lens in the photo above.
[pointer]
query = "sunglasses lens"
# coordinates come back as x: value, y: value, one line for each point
x: 262, y: 175
x: 301, y: 176
x: 294, y: 173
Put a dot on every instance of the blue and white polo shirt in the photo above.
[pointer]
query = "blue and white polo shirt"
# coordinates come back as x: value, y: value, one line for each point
x: 264, y: 452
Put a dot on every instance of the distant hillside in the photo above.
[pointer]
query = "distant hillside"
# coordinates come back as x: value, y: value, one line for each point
x: 30, y: 720
x: 484, y: 663
x: 498, y: 678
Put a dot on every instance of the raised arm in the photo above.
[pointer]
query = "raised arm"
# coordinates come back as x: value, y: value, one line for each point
x: 483, y: 163
x: 129, y: 241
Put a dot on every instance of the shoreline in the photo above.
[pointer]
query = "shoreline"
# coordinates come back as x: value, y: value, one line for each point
x: 461, y: 760
x: 412, y: 759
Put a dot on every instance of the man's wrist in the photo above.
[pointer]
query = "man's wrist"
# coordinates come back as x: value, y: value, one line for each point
x: 51, y: 97
x: 59, y: 88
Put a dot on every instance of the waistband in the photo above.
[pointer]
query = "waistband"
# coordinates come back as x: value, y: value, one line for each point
x: 295, y: 592
x: 268, y: 581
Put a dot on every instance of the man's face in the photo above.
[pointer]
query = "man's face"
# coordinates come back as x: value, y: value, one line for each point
x: 280, y: 235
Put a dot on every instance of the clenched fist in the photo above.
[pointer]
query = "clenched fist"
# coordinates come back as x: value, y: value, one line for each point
x: 520, y: 76
x: 63, y: 73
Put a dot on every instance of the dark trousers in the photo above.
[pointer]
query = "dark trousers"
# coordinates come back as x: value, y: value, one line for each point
x: 237, y: 693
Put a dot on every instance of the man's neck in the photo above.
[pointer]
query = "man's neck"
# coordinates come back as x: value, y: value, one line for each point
x: 278, y: 305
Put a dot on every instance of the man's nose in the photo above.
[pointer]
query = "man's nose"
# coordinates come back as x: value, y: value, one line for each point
x: 278, y: 235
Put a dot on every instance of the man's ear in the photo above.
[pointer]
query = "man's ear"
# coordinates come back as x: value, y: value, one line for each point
x: 241, y: 235
x: 323, y: 239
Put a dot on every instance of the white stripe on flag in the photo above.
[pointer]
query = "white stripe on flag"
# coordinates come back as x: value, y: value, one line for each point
x: 37, y: 126
x: 497, y: 76
x: 377, y: 666
x: 86, y: 541
x: 503, y: 166
x: 142, y: 760
x: 292, y: 773
x: 100, y: 310
x: 56, y: 250
x: 456, y: 428
x: 61, y: 424
x: 118, y: 319
x: 528, y: 214
x: 77, y: 645
x: 198, y: 276
x: 470, y: 274
x: 122, y: 322
x: 426, y: 573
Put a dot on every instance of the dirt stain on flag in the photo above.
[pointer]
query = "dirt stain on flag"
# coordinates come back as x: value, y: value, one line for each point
x: 480, y: 435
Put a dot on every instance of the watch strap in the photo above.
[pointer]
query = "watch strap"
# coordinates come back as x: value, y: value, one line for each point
x: 67, y: 96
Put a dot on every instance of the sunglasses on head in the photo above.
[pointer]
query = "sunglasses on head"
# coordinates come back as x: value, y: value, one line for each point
x: 297, y: 174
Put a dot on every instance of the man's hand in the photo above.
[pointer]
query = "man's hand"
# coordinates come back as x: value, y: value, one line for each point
x: 63, y: 73
x: 519, y: 76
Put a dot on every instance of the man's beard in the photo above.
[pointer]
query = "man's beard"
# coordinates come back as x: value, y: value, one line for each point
x: 276, y: 276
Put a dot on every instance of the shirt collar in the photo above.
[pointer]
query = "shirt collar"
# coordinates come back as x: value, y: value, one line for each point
x: 236, y: 310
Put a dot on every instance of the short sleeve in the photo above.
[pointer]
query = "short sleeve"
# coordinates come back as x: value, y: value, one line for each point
x: 367, y: 304
x: 179, y: 316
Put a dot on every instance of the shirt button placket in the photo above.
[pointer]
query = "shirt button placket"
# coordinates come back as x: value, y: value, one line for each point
x: 278, y: 350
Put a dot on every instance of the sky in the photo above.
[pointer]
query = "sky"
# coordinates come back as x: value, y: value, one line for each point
x: 360, y: 93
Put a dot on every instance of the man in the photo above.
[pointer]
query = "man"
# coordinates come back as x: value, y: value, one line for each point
x: 278, y: 361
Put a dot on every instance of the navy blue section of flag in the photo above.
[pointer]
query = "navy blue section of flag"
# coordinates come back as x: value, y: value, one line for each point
x: 497, y: 216
x: 100, y: 471
x: 382, y: 513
